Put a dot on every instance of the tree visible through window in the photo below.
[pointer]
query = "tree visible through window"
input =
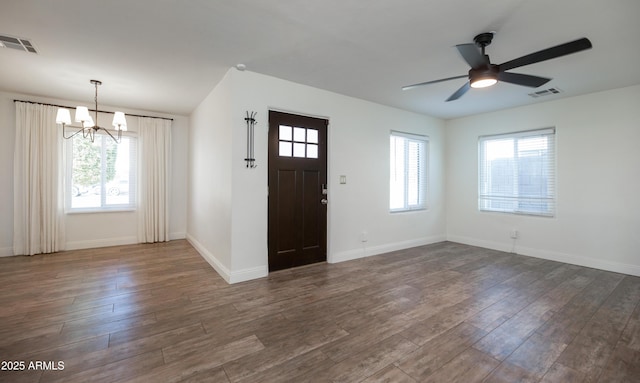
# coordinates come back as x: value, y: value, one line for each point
x: 101, y: 174
x: 517, y: 173
x: 408, y: 172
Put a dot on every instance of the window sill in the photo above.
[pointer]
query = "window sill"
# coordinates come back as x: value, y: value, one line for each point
x: 408, y: 210
x: 98, y: 211
x: 518, y: 213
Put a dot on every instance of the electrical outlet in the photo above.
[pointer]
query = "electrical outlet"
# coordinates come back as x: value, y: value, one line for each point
x: 515, y: 234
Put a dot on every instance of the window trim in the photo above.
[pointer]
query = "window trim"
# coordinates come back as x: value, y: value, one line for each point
x: 548, y: 131
x: 424, y: 173
x: 68, y: 176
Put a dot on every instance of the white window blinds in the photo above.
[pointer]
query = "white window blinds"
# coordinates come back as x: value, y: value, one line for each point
x: 517, y: 173
x: 408, y: 172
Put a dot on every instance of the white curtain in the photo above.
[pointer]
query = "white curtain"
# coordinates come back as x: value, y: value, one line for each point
x: 38, y: 225
x: 154, y: 172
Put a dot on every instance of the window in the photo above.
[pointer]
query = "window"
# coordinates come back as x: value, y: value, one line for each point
x: 517, y: 173
x: 101, y: 175
x: 408, y: 175
x: 297, y: 142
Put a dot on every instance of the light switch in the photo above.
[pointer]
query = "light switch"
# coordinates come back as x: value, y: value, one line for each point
x: 343, y: 180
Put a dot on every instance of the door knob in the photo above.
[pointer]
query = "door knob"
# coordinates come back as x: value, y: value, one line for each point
x: 324, y: 201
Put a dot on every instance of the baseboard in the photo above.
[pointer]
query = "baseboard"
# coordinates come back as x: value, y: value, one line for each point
x: 76, y: 245
x: 131, y: 240
x: 551, y: 255
x: 481, y: 243
x: 365, y: 251
x: 6, y: 251
x: 248, y: 274
x: 210, y: 258
x: 178, y: 235
x: 226, y: 274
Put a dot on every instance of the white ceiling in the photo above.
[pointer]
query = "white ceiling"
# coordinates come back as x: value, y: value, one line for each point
x: 167, y: 55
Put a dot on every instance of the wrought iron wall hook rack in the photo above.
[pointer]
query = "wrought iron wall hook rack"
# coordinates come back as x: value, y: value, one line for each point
x: 251, y: 123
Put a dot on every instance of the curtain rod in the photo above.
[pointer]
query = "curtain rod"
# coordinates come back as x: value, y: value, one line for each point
x: 93, y: 110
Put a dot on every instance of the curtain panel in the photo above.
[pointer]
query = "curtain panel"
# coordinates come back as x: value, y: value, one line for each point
x: 154, y: 179
x: 38, y: 181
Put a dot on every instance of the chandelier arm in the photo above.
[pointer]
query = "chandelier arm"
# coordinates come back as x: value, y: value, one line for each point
x: 112, y: 137
x: 64, y: 135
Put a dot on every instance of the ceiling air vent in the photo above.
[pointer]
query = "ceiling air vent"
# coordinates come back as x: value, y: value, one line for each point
x: 545, y: 92
x: 17, y: 43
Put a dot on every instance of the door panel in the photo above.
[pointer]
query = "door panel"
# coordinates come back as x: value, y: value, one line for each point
x: 297, y: 174
x: 311, y: 216
x: 286, y: 212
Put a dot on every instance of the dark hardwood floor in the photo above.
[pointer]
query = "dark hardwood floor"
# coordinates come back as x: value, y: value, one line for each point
x: 440, y: 313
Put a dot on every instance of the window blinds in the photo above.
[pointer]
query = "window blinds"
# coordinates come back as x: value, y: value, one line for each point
x: 517, y: 172
x: 408, y: 171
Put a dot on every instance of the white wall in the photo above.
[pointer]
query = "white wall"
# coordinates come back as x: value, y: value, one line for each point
x: 92, y: 229
x: 7, y: 142
x: 597, y: 221
x: 210, y: 156
x: 358, y: 148
x: 598, y: 176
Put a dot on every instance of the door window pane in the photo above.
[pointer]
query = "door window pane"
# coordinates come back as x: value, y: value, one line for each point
x: 299, y: 134
x: 285, y: 133
x: 312, y: 151
x: 312, y: 136
x: 298, y: 150
x: 285, y: 149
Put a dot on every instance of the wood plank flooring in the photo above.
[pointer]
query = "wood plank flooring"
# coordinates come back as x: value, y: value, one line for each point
x: 440, y: 313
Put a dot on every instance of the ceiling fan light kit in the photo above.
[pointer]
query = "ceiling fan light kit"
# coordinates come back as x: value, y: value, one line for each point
x: 484, y: 74
x: 482, y: 78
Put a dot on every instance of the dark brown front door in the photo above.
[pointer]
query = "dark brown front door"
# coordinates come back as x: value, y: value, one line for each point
x: 297, y: 190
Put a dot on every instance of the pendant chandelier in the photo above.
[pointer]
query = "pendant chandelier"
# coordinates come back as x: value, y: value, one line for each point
x: 89, y: 125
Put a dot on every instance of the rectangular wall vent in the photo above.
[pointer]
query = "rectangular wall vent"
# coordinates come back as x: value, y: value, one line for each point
x: 545, y: 92
x: 17, y: 43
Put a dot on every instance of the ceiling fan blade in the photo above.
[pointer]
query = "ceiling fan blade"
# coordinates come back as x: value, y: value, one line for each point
x: 472, y: 55
x: 523, y: 79
x: 458, y: 93
x: 547, y: 54
x: 433, y: 82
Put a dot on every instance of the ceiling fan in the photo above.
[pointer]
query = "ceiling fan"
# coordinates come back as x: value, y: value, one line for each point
x: 483, y: 73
